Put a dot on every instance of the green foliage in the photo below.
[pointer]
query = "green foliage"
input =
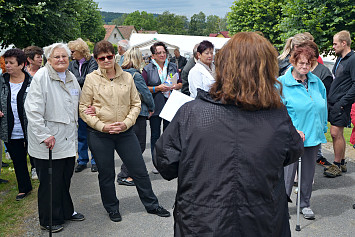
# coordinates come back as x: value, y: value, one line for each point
x: 256, y: 15
x: 119, y: 21
x: 42, y: 22
x: 321, y: 18
x: 110, y: 16
x: 198, y: 24
x: 169, y: 23
x: 141, y: 20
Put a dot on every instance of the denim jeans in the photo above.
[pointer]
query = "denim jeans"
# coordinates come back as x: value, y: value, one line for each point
x: 83, y: 144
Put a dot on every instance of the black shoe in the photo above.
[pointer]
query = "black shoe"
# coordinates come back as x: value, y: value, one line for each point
x: 323, y: 161
x: 3, y: 181
x: 79, y: 168
x: 124, y: 181
x: 77, y: 217
x: 160, y: 211
x: 93, y: 168
x: 115, y: 216
x: 3, y: 164
x: 55, y: 228
x: 19, y: 197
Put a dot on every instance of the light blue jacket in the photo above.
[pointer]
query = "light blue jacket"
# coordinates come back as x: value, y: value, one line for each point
x: 307, y: 109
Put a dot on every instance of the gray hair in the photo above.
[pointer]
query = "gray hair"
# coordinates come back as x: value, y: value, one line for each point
x: 194, y: 51
x: 124, y: 44
x: 49, y: 49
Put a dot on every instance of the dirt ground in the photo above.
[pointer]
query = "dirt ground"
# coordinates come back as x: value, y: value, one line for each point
x: 349, y: 152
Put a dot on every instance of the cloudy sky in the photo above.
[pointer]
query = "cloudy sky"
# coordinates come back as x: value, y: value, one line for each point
x: 179, y: 7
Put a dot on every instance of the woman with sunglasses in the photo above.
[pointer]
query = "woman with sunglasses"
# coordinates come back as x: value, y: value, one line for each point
x: 155, y: 74
x: 113, y: 94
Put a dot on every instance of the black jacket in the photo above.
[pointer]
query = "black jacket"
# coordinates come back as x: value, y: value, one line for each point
x: 229, y: 163
x: 88, y: 67
x: 342, y: 90
x: 184, y: 76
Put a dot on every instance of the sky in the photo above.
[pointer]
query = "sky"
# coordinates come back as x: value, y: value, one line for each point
x: 178, y: 7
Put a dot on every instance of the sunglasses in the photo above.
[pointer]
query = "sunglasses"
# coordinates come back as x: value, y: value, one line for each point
x: 109, y: 57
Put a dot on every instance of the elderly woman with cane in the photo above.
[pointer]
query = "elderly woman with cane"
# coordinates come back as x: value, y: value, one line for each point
x: 52, y: 112
x: 306, y: 101
x: 243, y: 116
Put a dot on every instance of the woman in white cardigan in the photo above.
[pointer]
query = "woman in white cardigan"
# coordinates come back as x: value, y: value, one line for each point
x: 202, y: 74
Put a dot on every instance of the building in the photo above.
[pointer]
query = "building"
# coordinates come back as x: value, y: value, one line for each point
x: 113, y: 34
x: 127, y: 31
x: 221, y: 34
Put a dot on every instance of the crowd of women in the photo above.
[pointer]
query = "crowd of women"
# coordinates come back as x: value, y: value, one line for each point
x: 254, y: 114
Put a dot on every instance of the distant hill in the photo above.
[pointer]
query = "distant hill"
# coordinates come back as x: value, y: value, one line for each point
x: 107, y: 17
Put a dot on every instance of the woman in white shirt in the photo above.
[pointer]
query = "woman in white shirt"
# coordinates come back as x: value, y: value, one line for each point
x: 202, y: 74
x: 13, y: 122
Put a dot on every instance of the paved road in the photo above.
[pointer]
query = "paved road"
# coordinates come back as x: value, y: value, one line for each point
x: 331, y: 201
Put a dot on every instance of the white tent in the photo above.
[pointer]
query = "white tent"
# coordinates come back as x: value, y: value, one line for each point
x: 184, y: 42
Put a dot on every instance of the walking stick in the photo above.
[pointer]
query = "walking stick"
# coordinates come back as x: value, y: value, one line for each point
x: 298, y: 227
x: 50, y: 192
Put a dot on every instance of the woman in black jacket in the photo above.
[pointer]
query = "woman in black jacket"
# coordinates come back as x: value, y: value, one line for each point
x: 228, y: 148
x: 13, y: 122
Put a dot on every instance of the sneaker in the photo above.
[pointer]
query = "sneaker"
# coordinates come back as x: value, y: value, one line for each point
x: 34, y: 174
x: 115, y: 216
x: 160, y: 211
x: 55, y: 228
x: 124, y: 181
x: 323, y: 161
x: 343, y: 167
x: 79, y: 168
x: 155, y: 171
x: 308, y: 213
x: 77, y: 217
x: 333, y: 171
x: 93, y: 168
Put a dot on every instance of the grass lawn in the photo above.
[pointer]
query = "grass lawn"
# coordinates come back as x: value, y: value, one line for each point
x: 347, y: 133
x: 13, y: 213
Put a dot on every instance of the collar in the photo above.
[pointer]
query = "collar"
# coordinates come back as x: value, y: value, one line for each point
x: 54, y: 75
x: 118, y: 70
x: 291, y: 81
x: 81, y: 61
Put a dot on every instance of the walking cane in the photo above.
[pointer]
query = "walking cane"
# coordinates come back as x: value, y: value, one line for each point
x: 50, y: 192
x: 298, y: 227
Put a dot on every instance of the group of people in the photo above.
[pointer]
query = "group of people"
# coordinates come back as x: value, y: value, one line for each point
x: 262, y: 111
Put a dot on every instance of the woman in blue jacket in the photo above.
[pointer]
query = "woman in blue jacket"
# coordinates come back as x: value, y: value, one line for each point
x: 304, y: 96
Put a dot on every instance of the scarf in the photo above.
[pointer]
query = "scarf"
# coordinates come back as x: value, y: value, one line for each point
x: 163, y: 73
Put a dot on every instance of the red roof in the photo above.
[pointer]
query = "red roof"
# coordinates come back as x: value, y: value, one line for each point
x: 224, y: 33
x: 126, y: 31
x: 213, y: 35
x: 109, y: 29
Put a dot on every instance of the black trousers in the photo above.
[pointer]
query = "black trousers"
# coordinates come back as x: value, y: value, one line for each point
x: 17, y: 149
x: 140, y: 129
x: 62, y: 203
x: 103, y: 145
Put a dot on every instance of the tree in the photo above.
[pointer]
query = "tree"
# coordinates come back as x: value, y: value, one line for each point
x: 198, y: 24
x: 256, y: 15
x: 212, y: 24
x: 119, y: 21
x: 141, y: 20
x: 169, y: 23
x: 42, y: 22
x: 321, y: 18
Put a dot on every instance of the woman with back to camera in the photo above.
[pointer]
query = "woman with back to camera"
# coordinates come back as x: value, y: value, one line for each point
x: 229, y: 146
x: 203, y: 73
x: 113, y: 94
x: 132, y: 63
x: 305, y: 98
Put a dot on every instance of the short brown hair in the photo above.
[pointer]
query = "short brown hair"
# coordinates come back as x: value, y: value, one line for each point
x: 344, y: 35
x: 306, y: 49
x: 31, y: 51
x: 103, y: 46
x: 246, y: 73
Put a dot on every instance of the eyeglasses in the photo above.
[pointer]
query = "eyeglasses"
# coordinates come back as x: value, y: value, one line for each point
x: 161, y: 52
x: 109, y: 57
x: 73, y: 51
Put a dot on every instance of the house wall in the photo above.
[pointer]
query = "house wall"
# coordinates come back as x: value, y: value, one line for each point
x: 114, y: 37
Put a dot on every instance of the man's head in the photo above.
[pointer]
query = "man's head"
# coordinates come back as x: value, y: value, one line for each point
x: 342, y: 42
x: 123, y: 46
x: 177, y: 53
x: 194, y: 51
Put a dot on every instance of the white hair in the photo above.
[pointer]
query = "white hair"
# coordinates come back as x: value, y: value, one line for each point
x: 124, y: 44
x: 49, y: 49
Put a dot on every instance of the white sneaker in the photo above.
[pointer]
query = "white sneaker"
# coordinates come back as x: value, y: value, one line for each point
x: 34, y: 173
x: 155, y: 171
x: 308, y: 213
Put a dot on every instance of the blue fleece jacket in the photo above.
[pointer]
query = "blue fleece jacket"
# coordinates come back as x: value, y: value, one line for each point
x: 307, y: 109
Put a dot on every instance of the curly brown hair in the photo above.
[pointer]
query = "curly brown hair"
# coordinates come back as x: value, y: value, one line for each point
x: 246, y: 73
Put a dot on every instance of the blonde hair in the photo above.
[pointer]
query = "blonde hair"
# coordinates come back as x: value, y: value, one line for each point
x: 344, y: 35
x: 133, y: 58
x: 293, y: 41
x: 81, y: 46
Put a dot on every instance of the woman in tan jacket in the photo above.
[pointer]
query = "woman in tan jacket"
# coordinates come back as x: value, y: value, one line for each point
x: 111, y: 94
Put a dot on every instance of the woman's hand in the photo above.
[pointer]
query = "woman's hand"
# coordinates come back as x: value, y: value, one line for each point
x: 1, y: 114
x: 50, y: 142
x: 114, y: 128
x: 90, y: 111
x: 150, y: 114
x: 162, y: 88
x: 176, y: 86
x: 302, y: 135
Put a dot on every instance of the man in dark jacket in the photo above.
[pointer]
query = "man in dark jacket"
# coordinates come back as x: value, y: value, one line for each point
x: 341, y: 97
x: 185, y: 72
x: 179, y: 60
